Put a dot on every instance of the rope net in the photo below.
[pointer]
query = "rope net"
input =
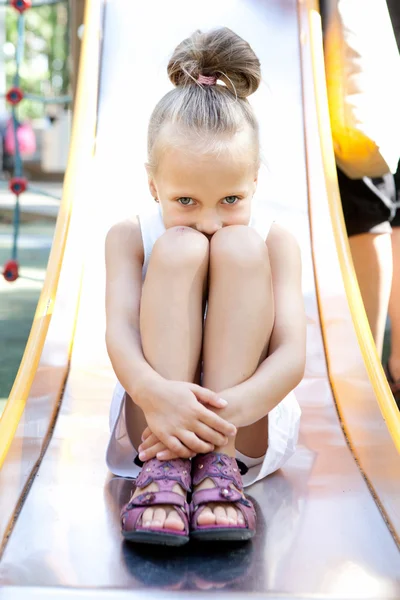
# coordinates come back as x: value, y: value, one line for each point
x: 18, y: 184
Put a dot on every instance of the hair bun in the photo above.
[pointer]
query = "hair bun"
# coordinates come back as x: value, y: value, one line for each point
x: 218, y: 52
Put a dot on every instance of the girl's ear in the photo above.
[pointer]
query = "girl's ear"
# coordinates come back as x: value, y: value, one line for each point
x: 255, y: 184
x: 256, y: 174
x: 150, y: 178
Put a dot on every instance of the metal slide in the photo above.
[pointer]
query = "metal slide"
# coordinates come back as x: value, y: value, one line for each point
x: 329, y: 522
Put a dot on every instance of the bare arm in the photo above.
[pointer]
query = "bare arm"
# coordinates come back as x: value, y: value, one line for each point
x: 284, y: 366
x: 191, y: 428
x: 283, y: 369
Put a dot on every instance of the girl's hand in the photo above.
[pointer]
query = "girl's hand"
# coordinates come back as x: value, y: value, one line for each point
x: 151, y: 447
x: 176, y: 415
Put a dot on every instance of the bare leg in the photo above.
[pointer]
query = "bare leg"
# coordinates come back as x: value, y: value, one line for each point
x: 394, y: 307
x: 239, y: 323
x: 372, y: 258
x: 171, y: 325
x: 171, y: 315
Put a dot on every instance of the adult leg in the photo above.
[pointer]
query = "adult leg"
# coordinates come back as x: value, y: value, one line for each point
x: 394, y: 11
x: 171, y: 328
x: 372, y: 258
x: 368, y: 205
x: 239, y: 323
x: 394, y: 304
x: 394, y: 307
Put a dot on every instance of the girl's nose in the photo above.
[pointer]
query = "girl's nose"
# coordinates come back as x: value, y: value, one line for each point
x: 209, y: 227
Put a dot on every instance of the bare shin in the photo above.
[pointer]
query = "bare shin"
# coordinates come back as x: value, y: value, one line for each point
x: 171, y: 314
x: 239, y: 321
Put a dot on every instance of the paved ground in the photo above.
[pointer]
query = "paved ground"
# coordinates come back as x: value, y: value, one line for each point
x: 19, y: 299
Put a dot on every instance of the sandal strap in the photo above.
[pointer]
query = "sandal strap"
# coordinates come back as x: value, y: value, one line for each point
x: 217, y: 494
x: 166, y: 474
x: 157, y: 498
x: 217, y: 467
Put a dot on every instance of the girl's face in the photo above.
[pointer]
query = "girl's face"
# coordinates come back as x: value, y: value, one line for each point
x: 206, y: 191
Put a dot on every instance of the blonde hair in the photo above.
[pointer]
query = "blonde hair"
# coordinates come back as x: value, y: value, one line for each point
x: 208, y: 115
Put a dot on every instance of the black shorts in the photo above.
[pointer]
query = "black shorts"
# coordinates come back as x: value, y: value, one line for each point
x: 370, y: 205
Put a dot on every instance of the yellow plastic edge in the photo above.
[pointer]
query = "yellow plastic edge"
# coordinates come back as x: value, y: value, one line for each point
x: 84, y: 123
x: 372, y: 361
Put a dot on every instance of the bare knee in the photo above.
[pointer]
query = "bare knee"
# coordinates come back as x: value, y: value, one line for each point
x: 180, y: 247
x: 241, y: 246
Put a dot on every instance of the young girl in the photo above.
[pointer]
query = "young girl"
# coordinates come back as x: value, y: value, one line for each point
x: 205, y: 314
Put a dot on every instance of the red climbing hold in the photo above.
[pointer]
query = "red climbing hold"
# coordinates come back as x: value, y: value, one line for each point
x: 14, y: 95
x: 10, y: 272
x: 18, y: 185
x: 21, y: 5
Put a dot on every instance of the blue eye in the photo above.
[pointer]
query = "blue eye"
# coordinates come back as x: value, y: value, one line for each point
x: 231, y: 200
x: 185, y: 201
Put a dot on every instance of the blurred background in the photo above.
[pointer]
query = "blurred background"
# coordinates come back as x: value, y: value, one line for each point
x: 51, y: 48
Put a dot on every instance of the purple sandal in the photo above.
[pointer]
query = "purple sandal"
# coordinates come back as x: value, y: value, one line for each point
x: 224, y: 472
x: 166, y: 474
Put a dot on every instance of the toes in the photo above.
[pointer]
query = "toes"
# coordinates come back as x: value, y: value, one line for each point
x: 240, y: 517
x: 174, y: 521
x: 232, y: 515
x: 147, y: 517
x: 159, y: 518
x: 221, y: 515
x: 228, y: 515
x: 206, y: 517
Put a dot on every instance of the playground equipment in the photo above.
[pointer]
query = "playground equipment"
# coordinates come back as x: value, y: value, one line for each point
x: 329, y: 523
x: 18, y: 184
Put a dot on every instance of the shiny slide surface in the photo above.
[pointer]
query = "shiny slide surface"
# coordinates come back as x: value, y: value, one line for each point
x: 329, y: 522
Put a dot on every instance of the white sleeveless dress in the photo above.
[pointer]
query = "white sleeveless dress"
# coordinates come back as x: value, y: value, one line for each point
x: 283, y: 420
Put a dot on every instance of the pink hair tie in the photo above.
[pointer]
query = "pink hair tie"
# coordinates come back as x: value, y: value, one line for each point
x: 211, y: 80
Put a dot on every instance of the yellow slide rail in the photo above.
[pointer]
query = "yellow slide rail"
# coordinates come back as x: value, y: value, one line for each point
x: 81, y: 148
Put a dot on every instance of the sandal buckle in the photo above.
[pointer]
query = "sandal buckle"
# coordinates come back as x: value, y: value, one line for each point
x: 147, y: 498
x: 225, y: 492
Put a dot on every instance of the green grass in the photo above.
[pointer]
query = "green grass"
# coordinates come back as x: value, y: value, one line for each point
x: 19, y: 299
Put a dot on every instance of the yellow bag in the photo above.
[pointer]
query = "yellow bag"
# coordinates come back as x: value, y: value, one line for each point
x: 363, y: 80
